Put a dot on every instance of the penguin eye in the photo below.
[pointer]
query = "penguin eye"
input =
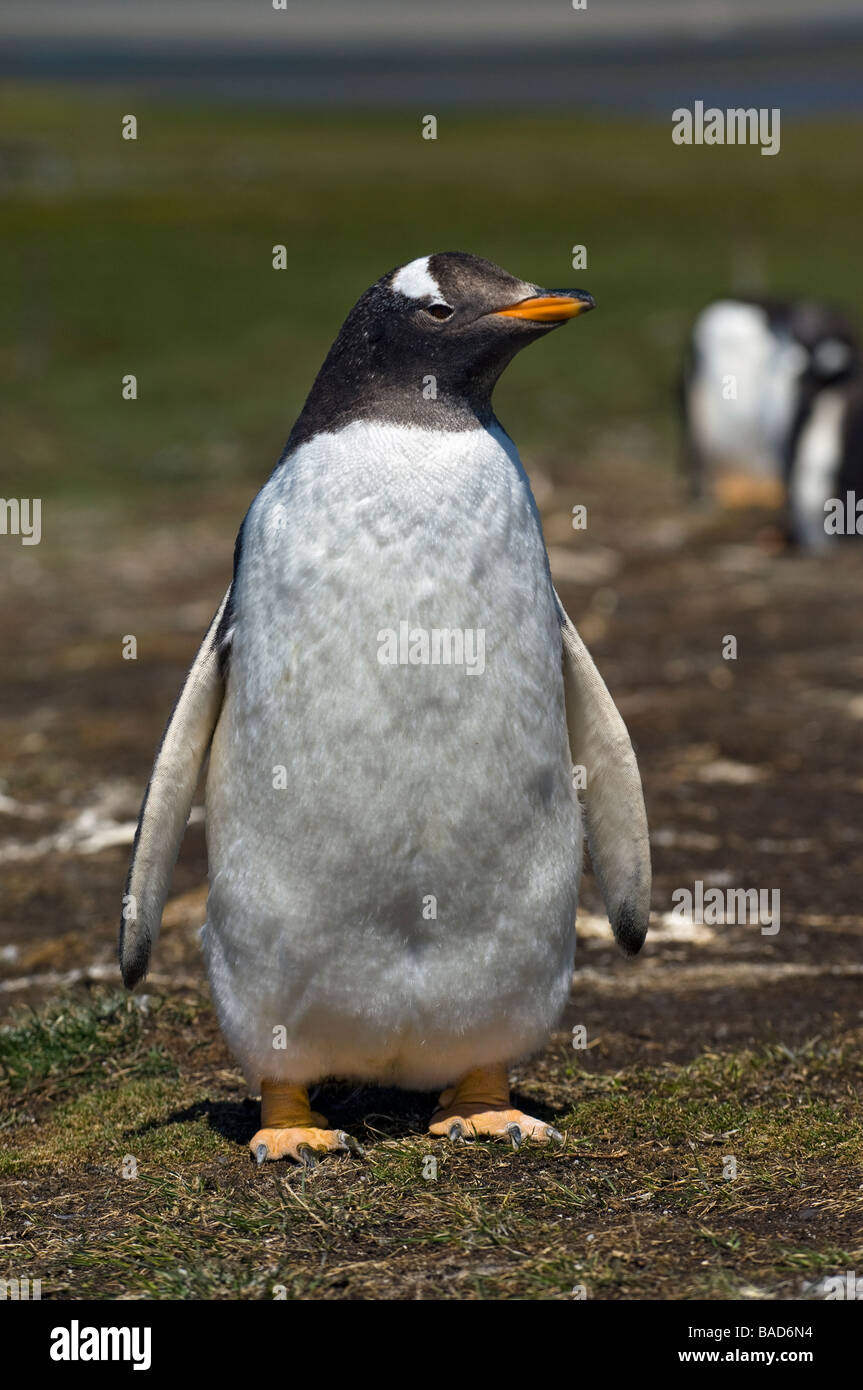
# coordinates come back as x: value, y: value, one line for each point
x: 440, y: 311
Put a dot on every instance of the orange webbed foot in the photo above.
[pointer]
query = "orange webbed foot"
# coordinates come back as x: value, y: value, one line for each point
x: 289, y: 1129
x: 479, y: 1106
x: 303, y: 1143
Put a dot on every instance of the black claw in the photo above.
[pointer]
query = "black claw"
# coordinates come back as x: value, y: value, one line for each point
x: 349, y: 1145
x: 455, y: 1132
x: 307, y: 1156
x: 515, y: 1134
x: 261, y: 1154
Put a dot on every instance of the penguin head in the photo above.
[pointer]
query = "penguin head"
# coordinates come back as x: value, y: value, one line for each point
x: 427, y: 342
x: 831, y: 351
x: 466, y: 297
x: 464, y: 315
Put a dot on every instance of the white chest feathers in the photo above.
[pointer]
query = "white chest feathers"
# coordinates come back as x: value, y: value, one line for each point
x: 744, y: 393
x: 384, y: 545
x: 390, y: 809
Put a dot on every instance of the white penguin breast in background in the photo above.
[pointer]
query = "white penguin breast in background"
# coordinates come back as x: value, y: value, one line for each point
x: 407, y: 888
x: 744, y: 392
x: 815, y: 467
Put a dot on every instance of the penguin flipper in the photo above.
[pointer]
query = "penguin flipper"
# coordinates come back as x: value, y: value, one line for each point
x: 168, y: 801
x: 615, y: 817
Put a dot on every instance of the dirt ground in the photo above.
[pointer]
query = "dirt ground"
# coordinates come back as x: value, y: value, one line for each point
x: 753, y: 772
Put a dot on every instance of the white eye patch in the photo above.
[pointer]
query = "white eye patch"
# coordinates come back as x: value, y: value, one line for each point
x: 416, y: 281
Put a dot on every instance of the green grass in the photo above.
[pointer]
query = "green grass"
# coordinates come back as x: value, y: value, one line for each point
x: 635, y: 1206
x: 154, y: 257
x: 67, y: 1042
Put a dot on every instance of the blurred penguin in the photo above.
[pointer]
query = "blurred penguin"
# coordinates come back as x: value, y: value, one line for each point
x: 825, y: 494
x: 753, y: 379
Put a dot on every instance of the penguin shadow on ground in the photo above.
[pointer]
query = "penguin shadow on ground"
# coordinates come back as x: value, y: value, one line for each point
x: 368, y: 1113
x: 372, y: 1113
x: 235, y: 1121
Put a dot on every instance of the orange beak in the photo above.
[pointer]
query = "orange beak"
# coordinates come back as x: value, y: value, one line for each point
x: 549, y: 308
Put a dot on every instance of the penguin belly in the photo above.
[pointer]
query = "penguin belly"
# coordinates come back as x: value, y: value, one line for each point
x: 395, y: 845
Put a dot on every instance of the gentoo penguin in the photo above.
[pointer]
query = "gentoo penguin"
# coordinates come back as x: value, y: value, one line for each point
x: 394, y: 839
x: 754, y: 370
x: 825, y: 487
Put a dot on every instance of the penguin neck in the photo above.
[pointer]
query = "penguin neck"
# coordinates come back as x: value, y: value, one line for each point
x: 328, y: 410
x: 351, y: 387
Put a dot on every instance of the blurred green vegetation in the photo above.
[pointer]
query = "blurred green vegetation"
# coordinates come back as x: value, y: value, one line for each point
x: 154, y: 257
